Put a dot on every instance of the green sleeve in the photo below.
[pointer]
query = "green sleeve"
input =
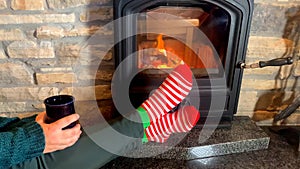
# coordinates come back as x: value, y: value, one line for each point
x: 19, y: 140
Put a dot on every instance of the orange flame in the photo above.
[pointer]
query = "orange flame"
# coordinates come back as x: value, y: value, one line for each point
x: 161, y: 44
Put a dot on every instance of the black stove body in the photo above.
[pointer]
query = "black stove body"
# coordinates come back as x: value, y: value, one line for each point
x: 225, y: 23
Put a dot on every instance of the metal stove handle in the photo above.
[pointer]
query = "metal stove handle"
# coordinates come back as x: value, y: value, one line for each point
x: 273, y: 62
x: 276, y: 62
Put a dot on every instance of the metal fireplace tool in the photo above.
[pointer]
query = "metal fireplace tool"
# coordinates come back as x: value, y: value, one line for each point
x: 292, y: 133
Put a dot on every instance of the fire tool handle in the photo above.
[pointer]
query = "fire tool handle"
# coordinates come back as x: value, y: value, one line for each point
x: 276, y: 62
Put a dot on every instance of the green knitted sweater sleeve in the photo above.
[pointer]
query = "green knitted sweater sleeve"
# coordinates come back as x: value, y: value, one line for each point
x: 20, y: 139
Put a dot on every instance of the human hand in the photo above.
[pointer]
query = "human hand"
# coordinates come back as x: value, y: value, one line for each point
x: 55, y: 137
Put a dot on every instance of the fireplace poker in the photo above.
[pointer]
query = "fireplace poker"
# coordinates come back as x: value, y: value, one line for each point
x: 296, y: 103
x: 288, y: 111
x: 276, y: 62
x: 273, y: 62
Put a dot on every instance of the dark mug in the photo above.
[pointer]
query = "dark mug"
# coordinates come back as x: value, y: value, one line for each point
x: 58, y: 107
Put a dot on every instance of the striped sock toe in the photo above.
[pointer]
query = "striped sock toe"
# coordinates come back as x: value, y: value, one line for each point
x: 181, y: 121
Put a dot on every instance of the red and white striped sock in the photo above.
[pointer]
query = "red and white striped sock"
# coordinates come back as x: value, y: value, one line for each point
x: 181, y: 121
x: 171, y: 92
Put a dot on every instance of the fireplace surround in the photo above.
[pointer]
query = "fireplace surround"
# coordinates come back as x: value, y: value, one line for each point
x: 225, y: 24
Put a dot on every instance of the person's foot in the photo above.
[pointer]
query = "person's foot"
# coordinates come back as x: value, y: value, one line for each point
x: 171, y: 92
x: 181, y: 121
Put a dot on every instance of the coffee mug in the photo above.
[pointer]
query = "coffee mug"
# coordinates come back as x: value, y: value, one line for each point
x: 58, y: 107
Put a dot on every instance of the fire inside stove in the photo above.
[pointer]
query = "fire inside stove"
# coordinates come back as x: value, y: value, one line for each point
x: 157, y: 56
x: 160, y: 51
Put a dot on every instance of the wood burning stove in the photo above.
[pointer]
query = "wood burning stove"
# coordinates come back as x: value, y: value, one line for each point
x: 224, y: 23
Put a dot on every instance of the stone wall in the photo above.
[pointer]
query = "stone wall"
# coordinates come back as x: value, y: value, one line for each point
x: 41, y: 42
x: 274, y: 34
x: 41, y: 48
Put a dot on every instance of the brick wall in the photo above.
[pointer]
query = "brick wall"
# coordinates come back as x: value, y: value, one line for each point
x: 41, y: 40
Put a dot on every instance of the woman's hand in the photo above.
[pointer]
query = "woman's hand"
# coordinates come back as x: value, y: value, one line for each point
x: 55, y: 137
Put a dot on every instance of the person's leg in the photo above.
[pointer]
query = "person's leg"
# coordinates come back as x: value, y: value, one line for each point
x: 89, y: 155
x: 86, y: 153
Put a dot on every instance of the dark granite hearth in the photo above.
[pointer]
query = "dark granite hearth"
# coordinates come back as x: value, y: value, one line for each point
x: 280, y: 154
x: 243, y: 136
x: 226, y: 148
